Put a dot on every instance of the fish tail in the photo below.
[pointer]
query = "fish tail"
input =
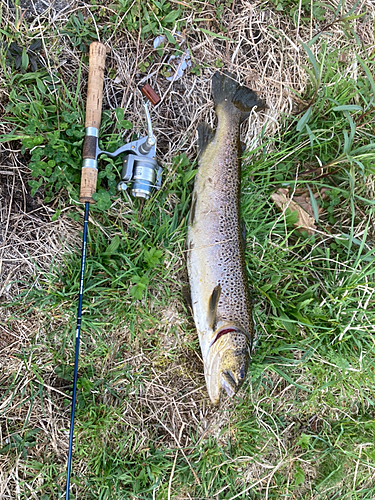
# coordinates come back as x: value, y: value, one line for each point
x: 224, y: 87
x: 229, y: 93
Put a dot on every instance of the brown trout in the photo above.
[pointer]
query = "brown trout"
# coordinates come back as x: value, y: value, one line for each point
x: 218, y: 282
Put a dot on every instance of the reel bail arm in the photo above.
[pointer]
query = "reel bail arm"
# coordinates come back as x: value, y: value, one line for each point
x: 140, y: 168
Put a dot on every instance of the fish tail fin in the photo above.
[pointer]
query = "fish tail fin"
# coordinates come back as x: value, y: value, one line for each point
x: 224, y: 87
x: 225, y: 90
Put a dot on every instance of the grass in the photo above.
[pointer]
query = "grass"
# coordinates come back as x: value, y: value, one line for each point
x: 303, y: 426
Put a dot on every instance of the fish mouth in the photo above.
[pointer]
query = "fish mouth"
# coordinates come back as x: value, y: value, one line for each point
x: 226, y: 365
x: 229, y: 383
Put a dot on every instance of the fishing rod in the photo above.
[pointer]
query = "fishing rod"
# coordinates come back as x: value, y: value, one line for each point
x: 140, y: 171
x: 88, y: 188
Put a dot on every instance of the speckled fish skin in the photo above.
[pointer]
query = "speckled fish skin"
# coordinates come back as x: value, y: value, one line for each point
x: 218, y: 281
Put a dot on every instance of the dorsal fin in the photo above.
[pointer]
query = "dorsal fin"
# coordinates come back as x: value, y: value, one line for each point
x: 212, y: 305
x: 205, y: 136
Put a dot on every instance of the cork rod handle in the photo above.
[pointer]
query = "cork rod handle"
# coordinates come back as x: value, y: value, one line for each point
x: 93, y: 119
x: 95, y: 85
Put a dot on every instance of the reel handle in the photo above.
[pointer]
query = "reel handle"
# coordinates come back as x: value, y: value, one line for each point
x: 92, y: 121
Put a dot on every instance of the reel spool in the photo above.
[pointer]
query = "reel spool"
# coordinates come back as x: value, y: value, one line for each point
x: 142, y: 173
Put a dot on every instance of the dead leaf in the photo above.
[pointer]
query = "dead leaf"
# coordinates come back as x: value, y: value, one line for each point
x: 306, y: 221
x: 304, y: 202
x: 303, y: 199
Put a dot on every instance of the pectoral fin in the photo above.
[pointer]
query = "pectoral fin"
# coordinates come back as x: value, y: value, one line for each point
x: 212, y: 305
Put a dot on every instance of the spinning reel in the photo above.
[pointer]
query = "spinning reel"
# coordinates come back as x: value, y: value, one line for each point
x: 140, y: 169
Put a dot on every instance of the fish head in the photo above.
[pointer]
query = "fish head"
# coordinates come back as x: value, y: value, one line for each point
x: 227, y: 362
